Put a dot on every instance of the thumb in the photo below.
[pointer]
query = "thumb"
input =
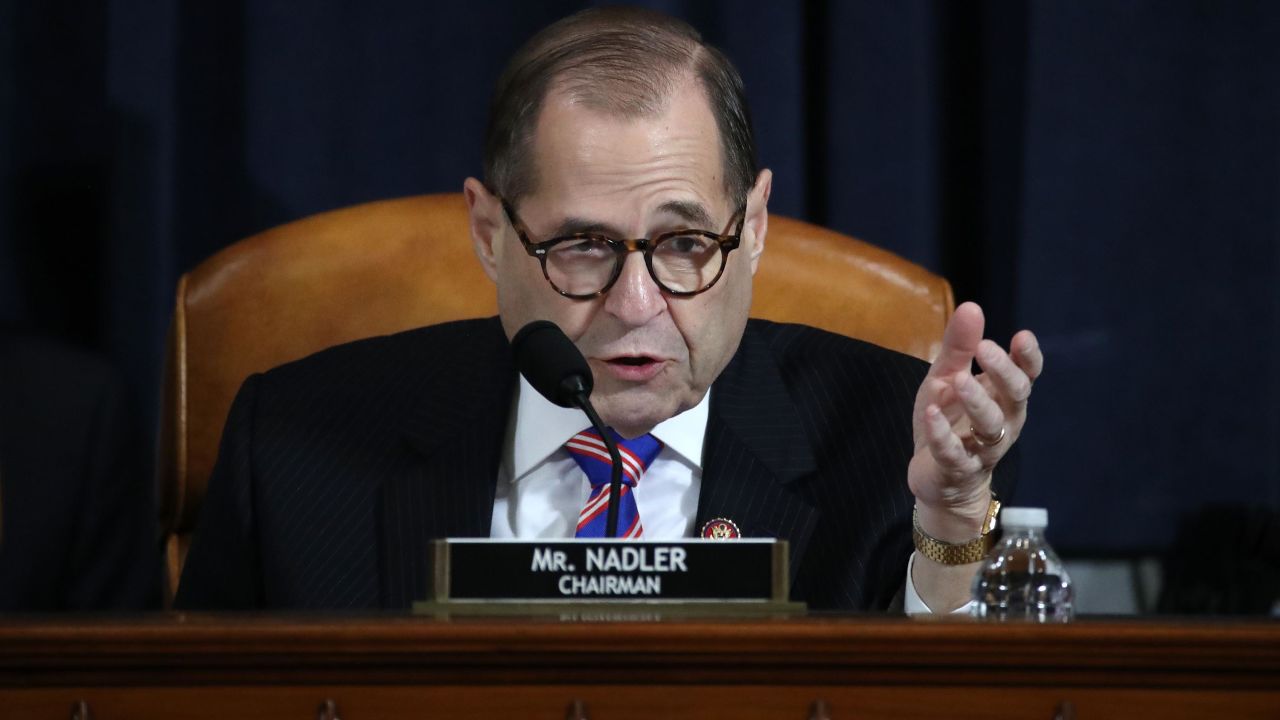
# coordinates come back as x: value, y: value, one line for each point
x: 960, y: 340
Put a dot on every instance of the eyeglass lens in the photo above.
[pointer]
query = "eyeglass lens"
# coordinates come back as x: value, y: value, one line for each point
x: 680, y: 263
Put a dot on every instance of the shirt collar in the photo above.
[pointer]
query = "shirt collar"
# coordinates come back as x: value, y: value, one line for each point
x: 542, y: 428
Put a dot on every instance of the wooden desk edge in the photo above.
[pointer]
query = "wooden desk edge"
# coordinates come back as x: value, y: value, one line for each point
x: 186, y: 648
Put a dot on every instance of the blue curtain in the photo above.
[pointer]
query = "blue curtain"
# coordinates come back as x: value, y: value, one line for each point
x: 1106, y: 173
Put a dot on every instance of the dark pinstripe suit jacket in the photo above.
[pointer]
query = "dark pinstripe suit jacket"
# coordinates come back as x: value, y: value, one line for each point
x: 336, y: 470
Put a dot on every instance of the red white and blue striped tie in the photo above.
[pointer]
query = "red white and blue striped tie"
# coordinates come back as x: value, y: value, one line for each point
x: 593, y: 457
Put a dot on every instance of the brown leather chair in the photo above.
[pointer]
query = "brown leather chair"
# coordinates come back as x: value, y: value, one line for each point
x: 387, y: 266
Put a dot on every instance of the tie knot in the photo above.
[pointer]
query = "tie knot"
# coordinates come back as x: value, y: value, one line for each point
x: 589, y: 450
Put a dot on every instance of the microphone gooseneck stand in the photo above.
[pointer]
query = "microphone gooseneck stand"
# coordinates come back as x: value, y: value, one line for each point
x: 554, y: 366
x: 615, y: 473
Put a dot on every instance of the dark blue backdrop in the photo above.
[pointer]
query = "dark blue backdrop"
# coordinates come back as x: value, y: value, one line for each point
x: 1107, y: 173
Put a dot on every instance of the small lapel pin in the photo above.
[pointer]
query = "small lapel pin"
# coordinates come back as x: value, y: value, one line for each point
x: 720, y: 529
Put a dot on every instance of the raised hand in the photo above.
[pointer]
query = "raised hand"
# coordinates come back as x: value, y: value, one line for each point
x: 964, y: 425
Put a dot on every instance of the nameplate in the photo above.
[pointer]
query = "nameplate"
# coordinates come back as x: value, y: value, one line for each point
x: 746, y: 570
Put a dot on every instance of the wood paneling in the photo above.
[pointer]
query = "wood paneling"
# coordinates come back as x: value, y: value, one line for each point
x: 192, y: 666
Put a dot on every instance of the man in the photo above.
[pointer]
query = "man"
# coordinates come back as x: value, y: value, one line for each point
x: 613, y: 124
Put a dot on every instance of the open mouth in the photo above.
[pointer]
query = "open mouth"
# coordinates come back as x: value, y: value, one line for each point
x: 634, y: 368
x: 633, y: 360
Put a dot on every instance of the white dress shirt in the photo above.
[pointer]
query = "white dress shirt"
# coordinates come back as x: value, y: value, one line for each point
x: 541, y: 489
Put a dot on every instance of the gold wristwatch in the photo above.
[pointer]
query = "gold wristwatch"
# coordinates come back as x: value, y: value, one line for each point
x: 946, y: 553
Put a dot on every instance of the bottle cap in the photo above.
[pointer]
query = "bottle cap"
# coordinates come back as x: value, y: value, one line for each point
x: 1025, y: 517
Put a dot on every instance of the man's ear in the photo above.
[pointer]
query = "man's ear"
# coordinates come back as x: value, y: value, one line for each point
x: 487, y: 223
x: 756, y: 224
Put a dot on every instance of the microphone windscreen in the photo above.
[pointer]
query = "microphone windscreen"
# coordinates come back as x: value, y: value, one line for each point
x: 547, y: 358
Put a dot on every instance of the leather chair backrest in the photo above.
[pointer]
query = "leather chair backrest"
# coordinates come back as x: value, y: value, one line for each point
x: 387, y: 266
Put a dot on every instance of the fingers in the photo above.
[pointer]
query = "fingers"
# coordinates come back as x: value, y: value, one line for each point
x: 1025, y: 350
x: 964, y: 424
x: 959, y: 340
x: 940, y: 392
x: 1008, y: 379
x: 946, y: 447
x: 985, y: 414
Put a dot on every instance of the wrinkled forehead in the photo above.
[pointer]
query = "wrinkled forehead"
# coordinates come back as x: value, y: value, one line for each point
x: 670, y: 152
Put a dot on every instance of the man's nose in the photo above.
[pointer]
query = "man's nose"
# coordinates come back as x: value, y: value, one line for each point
x: 635, y: 298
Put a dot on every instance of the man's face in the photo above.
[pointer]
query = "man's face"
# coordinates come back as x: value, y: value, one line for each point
x: 653, y: 355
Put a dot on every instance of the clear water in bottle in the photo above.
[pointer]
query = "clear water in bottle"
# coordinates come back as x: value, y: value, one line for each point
x: 1022, y: 578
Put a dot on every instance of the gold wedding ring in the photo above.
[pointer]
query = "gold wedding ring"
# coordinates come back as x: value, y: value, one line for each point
x: 986, y: 440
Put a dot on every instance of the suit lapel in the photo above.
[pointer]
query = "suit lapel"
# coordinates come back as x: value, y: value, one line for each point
x: 452, y: 445
x: 755, y: 449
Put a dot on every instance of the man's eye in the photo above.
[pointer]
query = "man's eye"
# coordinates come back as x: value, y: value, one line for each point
x: 686, y: 245
x: 581, y: 247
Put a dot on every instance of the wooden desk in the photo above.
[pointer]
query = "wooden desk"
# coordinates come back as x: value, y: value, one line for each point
x: 194, y: 666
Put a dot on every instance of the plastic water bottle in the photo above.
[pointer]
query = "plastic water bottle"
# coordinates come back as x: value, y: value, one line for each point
x: 1022, y: 578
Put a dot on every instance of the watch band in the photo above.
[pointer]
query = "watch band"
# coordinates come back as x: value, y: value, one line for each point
x: 946, y: 553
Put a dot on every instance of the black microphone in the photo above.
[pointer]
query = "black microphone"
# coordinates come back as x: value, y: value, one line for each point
x: 551, y: 363
x: 554, y: 366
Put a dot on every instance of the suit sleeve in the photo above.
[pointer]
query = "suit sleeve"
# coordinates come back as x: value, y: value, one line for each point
x: 223, y: 567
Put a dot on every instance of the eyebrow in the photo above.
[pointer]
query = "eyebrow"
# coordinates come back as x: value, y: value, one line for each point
x: 692, y: 213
